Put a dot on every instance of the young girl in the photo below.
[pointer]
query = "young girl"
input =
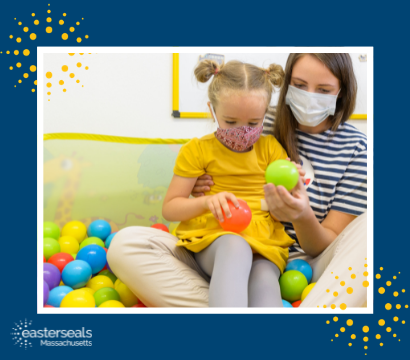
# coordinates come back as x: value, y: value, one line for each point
x: 245, y: 267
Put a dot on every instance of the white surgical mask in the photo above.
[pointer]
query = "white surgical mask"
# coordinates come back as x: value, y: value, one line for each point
x: 310, y: 109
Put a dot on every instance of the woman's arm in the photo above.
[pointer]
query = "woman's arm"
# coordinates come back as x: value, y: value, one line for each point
x: 202, y: 185
x: 177, y: 206
x: 313, y: 237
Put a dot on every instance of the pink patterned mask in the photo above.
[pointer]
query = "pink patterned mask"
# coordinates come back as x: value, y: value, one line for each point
x: 238, y: 138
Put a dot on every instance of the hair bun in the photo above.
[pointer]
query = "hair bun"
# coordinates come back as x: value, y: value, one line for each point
x: 276, y: 75
x: 205, y: 69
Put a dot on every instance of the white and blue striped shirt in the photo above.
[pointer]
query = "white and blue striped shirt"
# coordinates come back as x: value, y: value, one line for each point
x: 339, y: 162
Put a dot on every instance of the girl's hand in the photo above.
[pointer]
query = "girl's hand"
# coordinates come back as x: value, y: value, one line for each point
x: 202, y: 185
x: 302, y: 172
x: 215, y: 204
x: 286, y: 206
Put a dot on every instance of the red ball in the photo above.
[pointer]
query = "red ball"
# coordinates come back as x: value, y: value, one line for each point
x: 160, y: 227
x: 240, y: 219
x: 48, y: 306
x: 44, y: 259
x: 60, y: 260
x: 105, y: 266
x: 140, y: 304
x: 296, y: 303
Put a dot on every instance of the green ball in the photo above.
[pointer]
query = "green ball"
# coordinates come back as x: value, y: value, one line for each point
x: 92, y: 240
x: 51, y: 230
x: 109, y: 274
x: 282, y: 172
x: 105, y: 294
x: 292, y: 283
x: 50, y: 247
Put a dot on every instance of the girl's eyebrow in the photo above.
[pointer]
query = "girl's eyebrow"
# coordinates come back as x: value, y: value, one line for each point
x: 233, y: 118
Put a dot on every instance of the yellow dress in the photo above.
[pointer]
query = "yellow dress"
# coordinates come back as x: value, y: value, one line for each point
x: 242, y: 174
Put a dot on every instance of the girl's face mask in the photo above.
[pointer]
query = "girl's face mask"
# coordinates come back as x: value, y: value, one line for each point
x: 238, y: 138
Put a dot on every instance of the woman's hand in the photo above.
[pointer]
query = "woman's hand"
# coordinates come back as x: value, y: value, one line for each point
x: 302, y: 172
x: 202, y: 185
x: 215, y: 204
x: 285, y: 206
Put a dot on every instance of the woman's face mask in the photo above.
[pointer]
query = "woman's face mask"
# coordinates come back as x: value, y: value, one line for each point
x: 238, y: 138
x: 310, y: 109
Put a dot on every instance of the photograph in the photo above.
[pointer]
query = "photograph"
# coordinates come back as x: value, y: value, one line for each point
x: 205, y: 180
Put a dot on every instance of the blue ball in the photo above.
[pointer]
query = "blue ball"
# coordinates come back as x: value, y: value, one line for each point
x: 94, y: 255
x: 76, y: 274
x: 302, y: 266
x: 57, y: 294
x: 100, y: 229
x: 108, y: 240
x: 286, y: 303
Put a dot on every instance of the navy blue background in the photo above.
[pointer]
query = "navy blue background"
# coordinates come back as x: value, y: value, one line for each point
x: 188, y: 23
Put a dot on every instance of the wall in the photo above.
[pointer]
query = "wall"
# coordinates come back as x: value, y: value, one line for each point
x: 117, y: 94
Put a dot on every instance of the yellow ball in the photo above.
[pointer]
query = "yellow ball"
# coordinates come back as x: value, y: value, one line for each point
x: 307, y: 290
x: 111, y: 303
x: 75, y: 229
x: 126, y: 295
x: 99, y: 282
x: 61, y: 283
x: 78, y: 298
x: 91, y: 291
x: 69, y: 245
x: 74, y: 256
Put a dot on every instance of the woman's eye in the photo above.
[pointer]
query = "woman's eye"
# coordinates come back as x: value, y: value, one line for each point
x: 299, y: 85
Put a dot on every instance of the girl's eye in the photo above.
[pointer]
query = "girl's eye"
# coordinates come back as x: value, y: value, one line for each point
x: 230, y: 122
x: 253, y: 124
x: 324, y: 91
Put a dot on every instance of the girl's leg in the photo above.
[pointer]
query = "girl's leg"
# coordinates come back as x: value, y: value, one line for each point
x: 228, y: 261
x: 157, y: 271
x: 263, y: 288
x: 348, y: 251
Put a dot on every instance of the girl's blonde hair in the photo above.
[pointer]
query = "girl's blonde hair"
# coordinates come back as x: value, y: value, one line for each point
x: 238, y: 76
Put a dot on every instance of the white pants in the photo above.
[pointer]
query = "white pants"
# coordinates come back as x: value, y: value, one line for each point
x: 161, y: 274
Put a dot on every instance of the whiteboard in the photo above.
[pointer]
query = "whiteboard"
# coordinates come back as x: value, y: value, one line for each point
x: 192, y: 97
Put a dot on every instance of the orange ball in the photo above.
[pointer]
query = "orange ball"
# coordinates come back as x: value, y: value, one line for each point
x: 296, y: 303
x: 60, y: 260
x: 160, y: 227
x: 240, y: 219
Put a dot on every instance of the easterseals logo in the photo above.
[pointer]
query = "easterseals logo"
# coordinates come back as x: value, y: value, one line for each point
x: 25, y: 337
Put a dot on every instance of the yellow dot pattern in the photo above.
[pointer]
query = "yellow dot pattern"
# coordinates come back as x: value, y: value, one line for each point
x: 365, y: 273
x: 343, y: 306
x: 16, y: 52
x: 49, y: 75
x: 342, y: 329
x: 388, y: 283
x: 72, y: 75
x: 335, y: 319
x: 49, y: 29
x: 64, y: 68
x: 333, y: 306
x: 353, y: 336
x: 72, y: 29
x: 365, y: 339
x: 349, y: 290
x: 61, y: 82
x: 25, y: 75
x: 353, y: 276
x: 86, y: 36
x: 388, y: 306
x: 396, y: 294
x: 388, y: 329
x: 378, y: 276
x: 33, y: 36
x: 381, y: 322
x: 378, y: 336
x: 365, y: 283
x: 349, y: 322
x: 79, y: 40
x: 18, y: 40
x: 49, y: 85
x: 18, y: 65
x: 398, y: 306
x: 61, y: 22
x: 365, y: 329
x: 335, y: 294
x: 382, y: 290
x: 64, y: 36
x: 49, y: 19
x: 25, y: 29
x: 26, y: 52
x: 86, y: 68
x: 36, y: 22
x: 33, y: 68
x: 342, y: 283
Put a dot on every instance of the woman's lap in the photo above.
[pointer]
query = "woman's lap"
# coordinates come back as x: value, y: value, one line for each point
x: 164, y: 275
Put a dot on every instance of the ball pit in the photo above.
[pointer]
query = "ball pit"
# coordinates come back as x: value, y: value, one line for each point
x: 70, y: 259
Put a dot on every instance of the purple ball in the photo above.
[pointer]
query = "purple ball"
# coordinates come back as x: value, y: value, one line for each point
x: 51, y: 275
x: 46, y: 291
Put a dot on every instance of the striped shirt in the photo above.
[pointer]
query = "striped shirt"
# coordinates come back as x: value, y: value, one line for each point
x: 340, y: 170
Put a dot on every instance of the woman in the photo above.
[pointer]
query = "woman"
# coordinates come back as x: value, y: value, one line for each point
x: 327, y: 218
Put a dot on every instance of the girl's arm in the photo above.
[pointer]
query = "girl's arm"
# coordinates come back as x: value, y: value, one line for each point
x: 178, y: 207
x: 314, y: 237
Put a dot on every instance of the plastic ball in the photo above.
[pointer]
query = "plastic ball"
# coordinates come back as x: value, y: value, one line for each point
x: 46, y: 292
x: 127, y: 296
x: 60, y: 260
x: 51, y: 275
x: 51, y: 230
x: 160, y: 227
x: 109, y: 274
x: 105, y: 294
x: 109, y: 239
x: 78, y: 298
x: 74, y: 256
x: 44, y: 260
x: 307, y: 290
x: 140, y: 304
x: 296, y: 303
x: 100, y: 229
x: 69, y: 244
x: 282, y: 172
x: 91, y: 291
x: 240, y: 219
x: 76, y: 274
x: 302, y: 266
x: 100, y: 281
x: 50, y: 247
x: 57, y: 295
x: 111, y: 303
x: 92, y: 240
x: 94, y: 255
x: 286, y: 303
x: 76, y: 229
x: 49, y: 306
x: 292, y: 283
